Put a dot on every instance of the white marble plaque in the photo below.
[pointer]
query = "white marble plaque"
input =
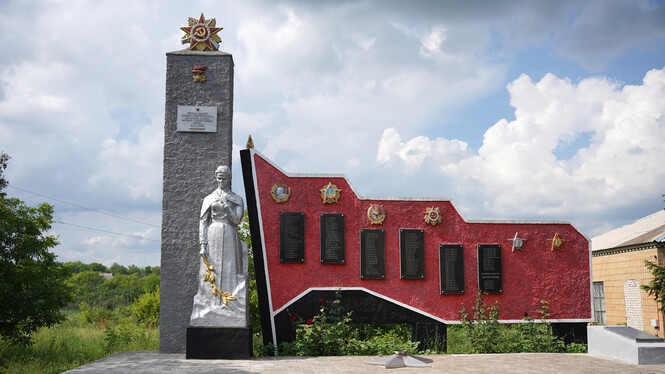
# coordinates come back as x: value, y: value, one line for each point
x: 197, y: 118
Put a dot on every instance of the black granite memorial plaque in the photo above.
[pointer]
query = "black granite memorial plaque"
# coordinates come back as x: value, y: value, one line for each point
x: 489, y: 268
x: 451, y: 268
x: 411, y: 254
x: 291, y: 237
x: 372, y: 254
x: 332, y: 238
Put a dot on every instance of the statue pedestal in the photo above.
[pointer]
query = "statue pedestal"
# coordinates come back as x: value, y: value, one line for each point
x: 219, y: 343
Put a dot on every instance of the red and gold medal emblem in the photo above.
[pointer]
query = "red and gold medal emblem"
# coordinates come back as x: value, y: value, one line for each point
x: 280, y: 192
x: 376, y: 214
x: 201, y: 34
x: 432, y: 216
x: 330, y: 194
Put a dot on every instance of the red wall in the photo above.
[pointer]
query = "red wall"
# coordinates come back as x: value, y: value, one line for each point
x: 560, y: 277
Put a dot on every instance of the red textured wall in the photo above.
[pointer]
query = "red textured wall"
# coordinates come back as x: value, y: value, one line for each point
x: 560, y: 277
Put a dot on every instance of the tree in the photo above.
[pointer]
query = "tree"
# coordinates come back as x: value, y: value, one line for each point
x: 118, y: 269
x: 656, y: 287
x: 32, y: 283
x: 87, y: 287
x: 253, y: 299
x: 4, y: 158
x: 96, y: 266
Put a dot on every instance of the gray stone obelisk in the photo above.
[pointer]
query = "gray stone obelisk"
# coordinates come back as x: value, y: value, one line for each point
x: 197, y: 138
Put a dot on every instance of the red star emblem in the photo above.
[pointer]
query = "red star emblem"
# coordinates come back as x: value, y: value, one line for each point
x: 556, y: 242
x: 201, y: 34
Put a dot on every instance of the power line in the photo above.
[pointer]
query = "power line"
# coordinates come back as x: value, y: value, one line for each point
x: 110, y: 232
x: 83, y: 207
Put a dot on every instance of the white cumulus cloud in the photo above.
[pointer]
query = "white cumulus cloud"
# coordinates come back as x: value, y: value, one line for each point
x: 517, y: 171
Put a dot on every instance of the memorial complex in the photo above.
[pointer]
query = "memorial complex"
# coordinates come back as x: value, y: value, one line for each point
x: 394, y: 260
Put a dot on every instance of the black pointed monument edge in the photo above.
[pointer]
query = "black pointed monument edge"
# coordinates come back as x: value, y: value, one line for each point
x: 257, y: 246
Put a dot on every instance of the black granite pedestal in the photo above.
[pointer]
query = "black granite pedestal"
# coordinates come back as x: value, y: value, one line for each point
x: 219, y: 343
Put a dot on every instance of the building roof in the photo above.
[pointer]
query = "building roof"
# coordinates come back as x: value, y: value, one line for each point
x: 645, y: 230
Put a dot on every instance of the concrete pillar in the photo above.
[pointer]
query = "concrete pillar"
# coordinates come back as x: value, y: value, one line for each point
x: 190, y: 160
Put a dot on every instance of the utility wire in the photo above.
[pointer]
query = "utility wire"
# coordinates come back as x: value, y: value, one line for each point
x: 83, y: 207
x: 110, y: 232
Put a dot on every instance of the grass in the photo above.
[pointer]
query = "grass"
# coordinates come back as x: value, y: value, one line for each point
x: 71, y: 344
x: 457, y: 341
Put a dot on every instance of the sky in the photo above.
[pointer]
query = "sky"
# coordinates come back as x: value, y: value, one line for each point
x: 517, y: 110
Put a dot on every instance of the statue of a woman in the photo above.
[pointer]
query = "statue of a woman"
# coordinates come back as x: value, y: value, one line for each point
x: 222, y: 294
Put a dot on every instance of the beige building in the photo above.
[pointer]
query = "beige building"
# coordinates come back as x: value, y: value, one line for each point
x: 618, y: 272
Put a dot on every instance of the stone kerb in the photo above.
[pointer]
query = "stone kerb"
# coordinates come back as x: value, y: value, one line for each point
x: 190, y: 159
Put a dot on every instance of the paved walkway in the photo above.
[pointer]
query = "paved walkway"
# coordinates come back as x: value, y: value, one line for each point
x: 154, y: 362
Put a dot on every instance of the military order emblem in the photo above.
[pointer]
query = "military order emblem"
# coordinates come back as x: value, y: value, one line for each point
x: 280, y: 192
x: 330, y: 194
x: 517, y: 243
x: 376, y: 214
x: 432, y: 216
x: 556, y: 242
x: 201, y: 34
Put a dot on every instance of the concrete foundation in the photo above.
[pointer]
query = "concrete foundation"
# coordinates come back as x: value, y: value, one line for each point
x: 626, y: 344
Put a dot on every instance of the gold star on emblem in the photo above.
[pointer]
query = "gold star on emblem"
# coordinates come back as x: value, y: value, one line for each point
x: 201, y: 34
x: 556, y: 242
x: 330, y: 194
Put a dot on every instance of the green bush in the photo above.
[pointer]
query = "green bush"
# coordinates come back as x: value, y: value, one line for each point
x: 330, y: 333
x: 89, y: 287
x: 128, y: 335
x: 483, y: 334
x: 94, y: 314
x: 325, y: 334
x: 535, y: 337
x: 146, y: 308
x: 378, y: 345
x: 482, y: 329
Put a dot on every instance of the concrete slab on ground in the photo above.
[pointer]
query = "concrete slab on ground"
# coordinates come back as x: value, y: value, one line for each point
x: 136, y: 362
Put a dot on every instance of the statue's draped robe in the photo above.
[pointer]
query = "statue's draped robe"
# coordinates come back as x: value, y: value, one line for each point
x: 228, y: 255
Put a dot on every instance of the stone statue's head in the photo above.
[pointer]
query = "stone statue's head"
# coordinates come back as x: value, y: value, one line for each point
x: 223, y: 176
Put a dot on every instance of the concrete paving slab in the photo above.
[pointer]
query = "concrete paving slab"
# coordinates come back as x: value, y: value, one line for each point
x: 154, y: 362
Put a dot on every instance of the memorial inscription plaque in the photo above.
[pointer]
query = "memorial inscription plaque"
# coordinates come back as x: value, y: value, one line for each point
x: 412, y: 254
x: 489, y: 268
x: 197, y: 118
x: 291, y: 237
x: 372, y: 254
x: 333, y: 249
x: 451, y: 268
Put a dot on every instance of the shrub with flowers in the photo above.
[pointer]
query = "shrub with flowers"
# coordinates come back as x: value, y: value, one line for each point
x: 323, y: 334
x: 329, y: 333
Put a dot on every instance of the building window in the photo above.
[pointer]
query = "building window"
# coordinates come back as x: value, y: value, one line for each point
x: 599, y: 317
